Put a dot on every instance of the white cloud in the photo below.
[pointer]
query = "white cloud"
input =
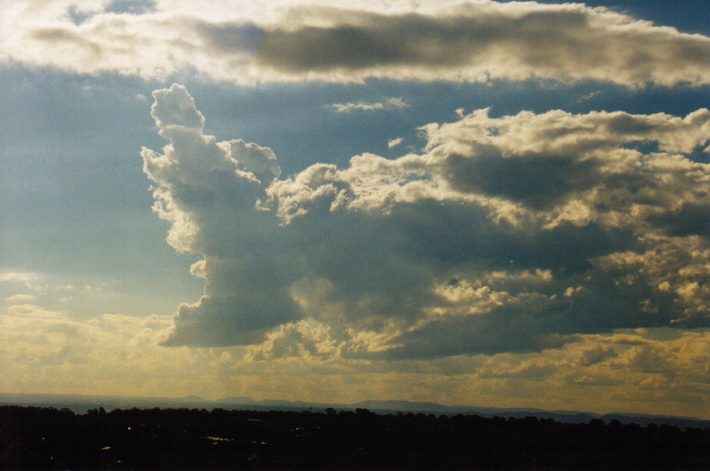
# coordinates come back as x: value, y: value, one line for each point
x: 287, y: 41
x: 471, y: 247
x: 589, y: 96
x: 392, y: 143
x: 393, y: 103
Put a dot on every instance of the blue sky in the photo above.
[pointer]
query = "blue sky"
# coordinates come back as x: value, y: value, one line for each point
x: 551, y: 251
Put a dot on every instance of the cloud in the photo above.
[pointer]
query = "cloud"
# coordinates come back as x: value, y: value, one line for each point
x: 392, y: 143
x: 474, y: 41
x: 109, y: 354
x: 559, y: 161
x: 510, y: 234
x: 393, y: 103
x: 18, y: 277
x: 634, y: 370
x: 658, y: 371
x: 26, y: 280
x: 20, y: 298
x: 687, y: 219
x: 209, y: 192
x: 306, y: 338
x: 32, y: 311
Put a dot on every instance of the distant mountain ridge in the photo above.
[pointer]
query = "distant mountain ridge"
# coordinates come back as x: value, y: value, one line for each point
x: 82, y: 403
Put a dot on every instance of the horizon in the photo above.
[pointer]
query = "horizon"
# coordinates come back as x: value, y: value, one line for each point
x: 456, y: 202
x: 56, y: 400
x: 380, y: 406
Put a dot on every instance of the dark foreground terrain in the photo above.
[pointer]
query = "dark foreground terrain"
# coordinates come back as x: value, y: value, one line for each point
x: 45, y: 438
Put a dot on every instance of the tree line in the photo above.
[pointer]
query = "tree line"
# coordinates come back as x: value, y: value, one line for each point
x: 49, y: 438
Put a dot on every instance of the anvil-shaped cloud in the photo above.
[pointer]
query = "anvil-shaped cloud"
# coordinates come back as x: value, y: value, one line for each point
x: 514, y: 233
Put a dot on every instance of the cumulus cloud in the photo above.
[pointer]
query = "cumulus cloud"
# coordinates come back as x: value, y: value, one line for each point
x: 209, y: 192
x: 509, y: 234
x: 474, y: 41
x: 393, y: 103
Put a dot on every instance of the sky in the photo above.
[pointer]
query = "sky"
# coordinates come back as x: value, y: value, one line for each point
x: 466, y: 202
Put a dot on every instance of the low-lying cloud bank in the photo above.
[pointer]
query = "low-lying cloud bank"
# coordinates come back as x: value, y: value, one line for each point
x: 473, y: 41
x: 657, y: 371
x: 507, y: 234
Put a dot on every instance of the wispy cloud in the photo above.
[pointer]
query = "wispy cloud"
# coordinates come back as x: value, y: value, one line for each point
x: 393, y: 103
x: 589, y: 96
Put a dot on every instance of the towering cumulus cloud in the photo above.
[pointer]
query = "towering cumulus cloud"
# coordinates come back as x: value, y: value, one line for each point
x: 514, y: 233
x: 247, y: 42
x: 208, y: 191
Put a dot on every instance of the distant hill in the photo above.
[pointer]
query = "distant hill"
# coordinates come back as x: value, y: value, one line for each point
x: 82, y: 403
x: 574, y: 417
